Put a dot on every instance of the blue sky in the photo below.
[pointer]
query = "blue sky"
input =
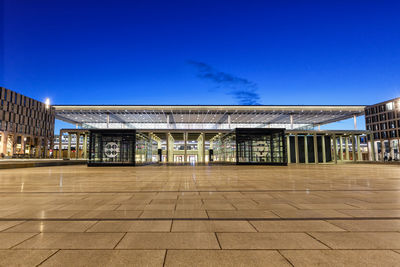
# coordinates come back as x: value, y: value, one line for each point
x: 202, y: 52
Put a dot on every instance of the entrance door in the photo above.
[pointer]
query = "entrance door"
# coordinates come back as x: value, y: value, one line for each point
x: 192, y: 159
x: 178, y: 158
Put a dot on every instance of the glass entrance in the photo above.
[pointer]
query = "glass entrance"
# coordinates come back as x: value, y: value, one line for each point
x: 112, y: 148
x: 192, y: 159
x: 252, y: 146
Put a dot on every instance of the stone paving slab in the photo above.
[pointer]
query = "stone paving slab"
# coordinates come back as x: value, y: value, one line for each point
x: 95, y: 258
x: 356, y: 258
x: 324, y: 215
x: 224, y: 258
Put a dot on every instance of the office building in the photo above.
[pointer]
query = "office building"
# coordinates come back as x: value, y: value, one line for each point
x: 383, y: 121
x: 26, y: 126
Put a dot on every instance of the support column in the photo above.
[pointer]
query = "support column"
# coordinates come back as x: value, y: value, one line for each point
x: 167, y: 148
x: 383, y: 150
x: 346, y: 146
x: 3, y: 143
x: 323, y: 149
x: 199, y: 148
x: 341, y: 148
x: 316, y: 161
x: 185, y: 146
x: 229, y: 121
x: 170, y: 148
x: 355, y: 122
x: 398, y: 148
x: 353, y: 147
x: 59, y: 145
x: 85, y: 145
x: 372, y: 151
x: 204, y: 147
x: 108, y: 120
x: 296, y: 147
x: 77, y: 146
x: 334, y: 149
x: 288, y: 148
x: 305, y: 149
x: 359, y: 154
x: 8, y: 145
x: 69, y: 145
x: 23, y: 144
x: 291, y: 121
x: 391, y: 149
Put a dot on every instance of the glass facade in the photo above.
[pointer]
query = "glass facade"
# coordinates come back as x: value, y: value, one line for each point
x: 144, y: 149
x: 252, y: 146
x: 225, y: 148
x: 119, y: 148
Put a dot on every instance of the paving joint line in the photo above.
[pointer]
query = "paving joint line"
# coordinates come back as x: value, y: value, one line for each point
x: 252, y: 225
x: 313, y: 237
x: 10, y: 227
x: 120, y: 240
x: 24, y: 240
x: 219, y: 244
x: 204, y: 219
x: 165, y: 257
x: 91, y: 226
x: 285, y: 257
x: 51, y: 255
x: 202, y: 191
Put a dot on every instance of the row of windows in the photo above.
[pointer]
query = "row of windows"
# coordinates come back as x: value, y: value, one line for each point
x: 386, y: 134
x: 383, y: 126
x: 29, y: 121
x: 25, y: 115
x: 382, y: 117
x: 38, y: 114
x: 28, y: 130
x: 389, y: 106
x: 20, y: 100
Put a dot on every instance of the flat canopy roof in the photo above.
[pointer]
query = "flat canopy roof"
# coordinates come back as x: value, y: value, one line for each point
x: 257, y: 115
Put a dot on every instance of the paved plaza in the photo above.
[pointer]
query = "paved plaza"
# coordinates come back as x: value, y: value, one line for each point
x: 221, y: 215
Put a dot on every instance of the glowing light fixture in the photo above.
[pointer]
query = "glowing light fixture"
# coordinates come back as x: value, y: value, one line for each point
x: 47, y: 103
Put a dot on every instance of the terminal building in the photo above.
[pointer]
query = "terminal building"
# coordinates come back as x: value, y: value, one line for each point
x: 260, y: 134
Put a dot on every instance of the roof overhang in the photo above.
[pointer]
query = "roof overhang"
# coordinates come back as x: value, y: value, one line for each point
x: 260, y: 115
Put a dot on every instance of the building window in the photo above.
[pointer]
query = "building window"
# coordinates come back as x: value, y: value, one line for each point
x: 389, y: 106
